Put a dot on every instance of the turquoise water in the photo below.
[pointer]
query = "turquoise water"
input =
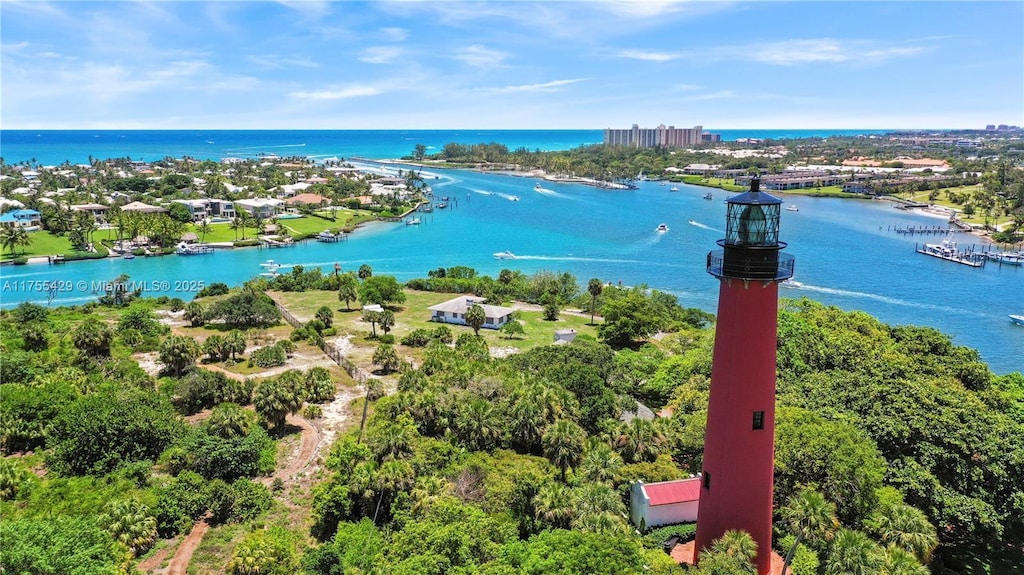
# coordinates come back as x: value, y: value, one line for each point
x: 843, y: 258
x: 52, y: 147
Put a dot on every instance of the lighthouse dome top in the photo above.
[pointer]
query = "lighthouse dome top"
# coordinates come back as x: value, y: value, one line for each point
x: 754, y: 196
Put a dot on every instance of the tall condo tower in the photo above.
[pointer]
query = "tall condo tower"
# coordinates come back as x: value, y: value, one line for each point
x: 739, y: 446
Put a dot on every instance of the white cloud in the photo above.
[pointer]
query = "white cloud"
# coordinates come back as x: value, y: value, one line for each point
x: 381, y: 54
x: 796, y: 52
x: 277, y: 62
x: 393, y: 34
x: 14, y: 47
x: 481, y: 56
x: 648, y: 56
x: 552, y: 86
x: 337, y: 93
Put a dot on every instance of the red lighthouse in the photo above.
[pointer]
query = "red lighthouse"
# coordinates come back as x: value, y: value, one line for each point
x: 739, y: 446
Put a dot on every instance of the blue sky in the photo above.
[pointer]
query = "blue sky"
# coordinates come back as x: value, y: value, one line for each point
x: 445, y: 64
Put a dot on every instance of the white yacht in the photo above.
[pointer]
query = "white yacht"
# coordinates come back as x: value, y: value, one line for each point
x: 505, y: 255
x: 662, y: 228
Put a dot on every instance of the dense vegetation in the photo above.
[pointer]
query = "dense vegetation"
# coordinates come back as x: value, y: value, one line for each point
x: 895, y: 448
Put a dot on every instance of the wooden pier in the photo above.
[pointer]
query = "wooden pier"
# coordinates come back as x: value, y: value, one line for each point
x: 921, y: 230
x: 949, y: 252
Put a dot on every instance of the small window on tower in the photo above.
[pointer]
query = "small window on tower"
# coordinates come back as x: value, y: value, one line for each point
x: 758, y: 420
x: 707, y: 480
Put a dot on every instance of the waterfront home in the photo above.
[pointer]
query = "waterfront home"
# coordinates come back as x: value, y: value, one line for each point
x: 454, y: 311
x: 196, y: 208
x: 263, y: 208
x: 308, y: 199
x: 98, y: 211
x: 664, y: 502
x: 141, y: 208
x: 290, y: 190
x: 700, y: 169
x: 21, y: 219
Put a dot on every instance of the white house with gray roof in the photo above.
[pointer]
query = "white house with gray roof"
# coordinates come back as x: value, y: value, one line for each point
x: 454, y: 311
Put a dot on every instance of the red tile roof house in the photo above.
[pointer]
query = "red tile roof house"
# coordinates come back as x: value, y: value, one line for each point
x: 663, y: 503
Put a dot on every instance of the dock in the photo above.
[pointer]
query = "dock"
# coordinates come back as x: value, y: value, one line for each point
x: 329, y: 238
x: 922, y: 230
x: 948, y: 251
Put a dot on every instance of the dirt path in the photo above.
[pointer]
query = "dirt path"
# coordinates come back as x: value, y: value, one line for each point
x: 183, y: 555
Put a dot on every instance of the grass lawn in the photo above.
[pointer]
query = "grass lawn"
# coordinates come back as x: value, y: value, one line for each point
x: 45, y: 243
x: 222, y: 232
x: 943, y: 200
x: 413, y: 315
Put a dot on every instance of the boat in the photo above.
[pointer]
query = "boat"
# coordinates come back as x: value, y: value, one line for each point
x: 442, y: 206
x: 537, y: 187
x: 692, y: 222
x: 661, y: 183
x: 792, y: 208
x: 674, y: 189
x: 662, y: 228
x: 947, y: 250
x: 128, y: 256
x: 505, y: 255
x: 708, y: 196
x: 514, y: 198
x: 1017, y: 319
x: 1006, y: 258
x: 412, y: 222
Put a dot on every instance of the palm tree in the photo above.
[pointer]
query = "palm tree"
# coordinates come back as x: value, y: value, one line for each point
x: 809, y: 516
x: 639, y: 440
x: 204, y: 228
x: 600, y: 462
x: 477, y: 424
x: 274, y: 400
x: 229, y: 420
x: 475, y: 318
x: 899, y: 562
x: 526, y: 423
x: 21, y: 238
x: 235, y: 225
x: 563, y: 444
x: 595, y: 287
x: 234, y: 344
x: 130, y: 523
x: 7, y: 239
x: 553, y: 503
x: 907, y: 528
x: 427, y: 490
x: 852, y: 553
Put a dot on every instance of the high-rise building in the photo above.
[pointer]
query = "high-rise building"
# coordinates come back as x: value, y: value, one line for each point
x: 638, y: 137
x: 739, y: 445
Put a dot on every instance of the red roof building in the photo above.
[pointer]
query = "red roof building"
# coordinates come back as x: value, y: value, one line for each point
x: 664, y: 503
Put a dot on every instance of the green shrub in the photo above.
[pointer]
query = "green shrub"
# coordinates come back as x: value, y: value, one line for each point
x: 269, y: 356
x: 387, y: 338
x: 20, y: 261
x: 329, y: 332
x: 418, y: 338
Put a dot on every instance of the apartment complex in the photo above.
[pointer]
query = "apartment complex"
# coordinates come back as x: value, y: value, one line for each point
x: 670, y: 136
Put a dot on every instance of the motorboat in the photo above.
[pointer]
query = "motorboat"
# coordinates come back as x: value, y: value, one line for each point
x: 662, y: 228
x: 128, y: 256
x: 1006, y: 258
x: 674, y: 189
x: 1017, y: 319
x: 692, y: 222
x: 514, y: 198
x: 505, y: 255
x: 412, y: 222
x: 708, y: 196
x: 792, y: 208
x: 537, y: 187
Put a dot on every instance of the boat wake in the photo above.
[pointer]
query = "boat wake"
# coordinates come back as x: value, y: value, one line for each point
x: 481, y: 192
x: 583, y: 259
x: 884, y: 299
x: 697, y: 224
x: 548, y: 192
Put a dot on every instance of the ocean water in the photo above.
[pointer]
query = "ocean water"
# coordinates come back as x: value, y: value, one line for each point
x: 52, y: 147
x: 845, y: 255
